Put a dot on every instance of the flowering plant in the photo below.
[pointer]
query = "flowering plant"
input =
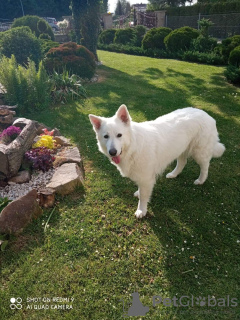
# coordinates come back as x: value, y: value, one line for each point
x: 47, y: 133
x: 45, y: 141
x: 40, y: 158
x: 11, y: 132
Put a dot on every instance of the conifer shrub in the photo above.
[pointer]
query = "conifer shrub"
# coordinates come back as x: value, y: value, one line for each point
x: 74, y: 58
x: 180, y: 39
x: 154, y: 38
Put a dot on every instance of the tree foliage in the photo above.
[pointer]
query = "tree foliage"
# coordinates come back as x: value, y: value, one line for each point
x: 11, y: 9
x: 86, y: 16
x: 160, y: 4
x: 123, y: 7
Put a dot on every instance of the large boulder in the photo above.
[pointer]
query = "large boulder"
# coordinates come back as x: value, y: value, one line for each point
x: 19, y: 213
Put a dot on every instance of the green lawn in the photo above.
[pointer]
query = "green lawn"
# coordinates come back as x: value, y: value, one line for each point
x: 95, y: 250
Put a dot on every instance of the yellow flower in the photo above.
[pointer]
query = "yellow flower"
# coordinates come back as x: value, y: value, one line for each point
x: 45, y: 141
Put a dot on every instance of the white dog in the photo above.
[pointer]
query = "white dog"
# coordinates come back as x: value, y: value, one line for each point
x: 141, y: 151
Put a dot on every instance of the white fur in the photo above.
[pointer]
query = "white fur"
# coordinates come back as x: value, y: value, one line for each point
x: 146, y: 149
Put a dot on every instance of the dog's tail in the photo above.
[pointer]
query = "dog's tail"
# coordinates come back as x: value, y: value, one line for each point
x: 218, y: 150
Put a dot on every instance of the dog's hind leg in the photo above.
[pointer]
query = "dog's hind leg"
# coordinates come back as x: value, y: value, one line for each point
x: 204, y: 165
x: 181, y: 162
x: 144, y: 193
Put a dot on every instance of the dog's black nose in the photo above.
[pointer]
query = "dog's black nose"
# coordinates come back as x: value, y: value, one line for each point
x: 112, y: 152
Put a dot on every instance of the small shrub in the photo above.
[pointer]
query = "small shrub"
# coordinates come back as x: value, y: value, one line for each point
x: 125, y: 36
x: 21, y: 43
x: 234, y: 57
x: 204, y: 44
x: 65, y: 87
x: 35, y: 23
x: 180, y: 39
x: 229, y: 44
x: 25, y: 86
x: 40, y: 158
x: 76, y: 59
x: 154, y: 38
x: 232, y: 73
x: 46, y: 45
x: 107, y: 36
x: 44, y: 36
x: 140, y: 31
x: 203, y: 57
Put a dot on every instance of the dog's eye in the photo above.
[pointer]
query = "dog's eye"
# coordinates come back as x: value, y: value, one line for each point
x: 106, y: 136
x: 119, y: 135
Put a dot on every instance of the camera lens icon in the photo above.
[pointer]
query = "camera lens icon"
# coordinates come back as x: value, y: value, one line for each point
x: 16, y: 303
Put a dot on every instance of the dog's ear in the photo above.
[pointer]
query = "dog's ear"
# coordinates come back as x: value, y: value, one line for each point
x: 123, y: 114
x: 96, y: 121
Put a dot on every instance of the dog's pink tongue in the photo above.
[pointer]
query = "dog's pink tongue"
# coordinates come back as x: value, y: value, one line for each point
x: 116, y: 159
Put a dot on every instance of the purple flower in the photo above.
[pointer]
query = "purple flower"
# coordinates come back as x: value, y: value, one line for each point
x: 11, y: 132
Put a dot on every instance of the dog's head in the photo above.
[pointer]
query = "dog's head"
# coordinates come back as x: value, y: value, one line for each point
x: 113, y: 134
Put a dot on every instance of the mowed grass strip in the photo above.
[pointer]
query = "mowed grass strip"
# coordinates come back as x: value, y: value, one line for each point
x: 94, y: 249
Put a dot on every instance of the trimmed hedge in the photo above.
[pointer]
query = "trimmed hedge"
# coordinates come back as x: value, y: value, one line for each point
x: 125, y: 36
x: 154, y: 38
x: 234, y: 58
x: 180, y: 39
x: 21, y: 43
x: 204, y: 44
x: 232, y: 73
x: 34, y: 23
x: 107, y: 36
x: 75, y: 59
x: 229, y: 44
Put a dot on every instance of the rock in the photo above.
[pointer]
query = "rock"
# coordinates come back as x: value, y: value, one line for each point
x: 22, y: 122
x: 66, y: 178
x: 8, y: 119
x: 68, y: 155
x: 11, y: 156
x: 21, y: 177
x: 19, y: 213
x: 46, y: 197
x: 62, y: 141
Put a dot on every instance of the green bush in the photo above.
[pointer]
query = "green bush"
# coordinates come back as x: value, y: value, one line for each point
x: 21, y: 43
x: 204, y: 44
x: 229, y: 44
x: 25, y: 86
x: 154, y: 38
x: 34, y: 23
x: 234, y: 57
x: 46, y: 45
x: 66, y: 87
x: 203, y: 57
x: 107, y: 36
x: 44, y: 36
x: 232, y: 73
x: 125, y: 36
x: 180, y: 39
x: 140, y: 31
x: 75, y: 59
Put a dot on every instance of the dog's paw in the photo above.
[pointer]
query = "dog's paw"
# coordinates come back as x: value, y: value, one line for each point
x: 140, y: 214
x: 170, y: 175
x: 197, y: 182
x: 136, y: 194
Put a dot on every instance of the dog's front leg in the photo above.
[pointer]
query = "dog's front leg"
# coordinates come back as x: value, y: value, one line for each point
x: 144, y: 193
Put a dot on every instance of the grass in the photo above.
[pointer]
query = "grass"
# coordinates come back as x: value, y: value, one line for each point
x: 94, y: 249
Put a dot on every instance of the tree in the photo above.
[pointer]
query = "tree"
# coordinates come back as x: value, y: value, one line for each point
x: 123, y: 7
x: 86, y: 16
x: 160, y: 4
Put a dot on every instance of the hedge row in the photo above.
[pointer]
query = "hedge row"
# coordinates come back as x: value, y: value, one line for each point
x: 205, y: 8
x: 193, y: 56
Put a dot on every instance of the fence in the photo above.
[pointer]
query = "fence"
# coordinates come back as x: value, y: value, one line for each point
x: 225, y: 25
